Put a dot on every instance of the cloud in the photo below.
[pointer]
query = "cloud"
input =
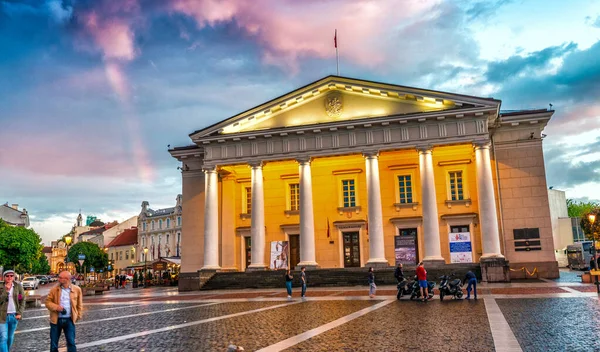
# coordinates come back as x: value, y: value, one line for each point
x: 60, y: 11
x: 561, y: 171
x: 593, y: 22
x: 485, y: 9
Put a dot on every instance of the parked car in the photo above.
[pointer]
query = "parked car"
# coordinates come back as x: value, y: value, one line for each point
x: 42, y: 279
x: 30, y: 282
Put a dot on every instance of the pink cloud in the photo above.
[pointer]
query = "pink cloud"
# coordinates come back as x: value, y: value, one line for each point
x: 112, y: 36
x: 574, y: 119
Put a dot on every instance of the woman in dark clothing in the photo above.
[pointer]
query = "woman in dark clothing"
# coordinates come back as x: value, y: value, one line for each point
x: 372, y: 286
x: 288, y: 282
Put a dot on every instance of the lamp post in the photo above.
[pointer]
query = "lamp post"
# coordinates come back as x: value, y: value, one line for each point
x: 592, y: 219
x: 145, y: 269
x: 68, y: 239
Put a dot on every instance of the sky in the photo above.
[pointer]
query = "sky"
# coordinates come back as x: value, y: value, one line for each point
x: 92, y: 92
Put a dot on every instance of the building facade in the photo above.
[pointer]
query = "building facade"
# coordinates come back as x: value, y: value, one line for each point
x: 13, y: 216
x: 122, y: 250
x: 353, y: 173
x: 160, y: 231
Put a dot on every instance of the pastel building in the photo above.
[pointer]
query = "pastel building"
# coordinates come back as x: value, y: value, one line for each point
x: 159, y: 231
x: 353, y: 173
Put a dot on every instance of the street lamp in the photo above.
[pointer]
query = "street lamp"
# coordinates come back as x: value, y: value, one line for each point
x: 68, y: 239
x: 592, y: 219
x: 145, y: 270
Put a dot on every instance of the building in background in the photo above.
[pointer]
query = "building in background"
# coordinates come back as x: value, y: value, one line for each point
x: 565, y: 230
x: 57, y: 258
x: 121, y: 250
x: 160, y: 231
x: 95, y: 232
x: 47, y: 250
x: 105, y: 237
x: 13, y: 216
x: 354, y: 173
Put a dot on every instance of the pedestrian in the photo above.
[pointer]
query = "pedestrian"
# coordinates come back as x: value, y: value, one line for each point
x: 592, y: 263
x: 372, y: 286
x: 123, y: 280
x: 303, y: 278
x: 398, y: 273
x: 288, y: 282
x: 65, y: 303
x: 12, y: 305
x: 422, y: 277
x: 471, y: 279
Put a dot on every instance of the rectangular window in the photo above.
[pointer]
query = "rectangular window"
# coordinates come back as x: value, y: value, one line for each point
x: 348, y: 193
x: 126, y: 254
x: 112, y: 257
x: 121, y: 255
x: 179, y: 221
x: 405, y: 189
x: 456, y: 185
x: 168, y: 223
x: 160, y: 224
x: 152, y: 227
x: 248, y: 200
x: 143, y: 226
x: 294, y: 196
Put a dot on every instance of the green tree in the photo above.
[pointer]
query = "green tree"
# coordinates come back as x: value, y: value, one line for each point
x: 94, y: 256
x: 41, y: 266
x: 591, y: 230
x: 20, y: 248
x: 579, y: 209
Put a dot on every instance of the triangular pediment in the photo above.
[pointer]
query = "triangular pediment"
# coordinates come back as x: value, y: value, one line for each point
x: 336, y: 99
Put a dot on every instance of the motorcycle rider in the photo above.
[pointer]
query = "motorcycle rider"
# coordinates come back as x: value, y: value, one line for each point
x: 398, y: 274
x: 422, y: 277
x: 472, y: 280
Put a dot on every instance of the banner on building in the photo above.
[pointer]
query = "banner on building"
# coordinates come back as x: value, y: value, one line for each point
x: 279, y: 255
x: 461, y: 250
x: 405, y: 250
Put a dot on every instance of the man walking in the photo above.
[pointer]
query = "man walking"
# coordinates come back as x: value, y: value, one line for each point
x: 65, y: 303
x: 12, y: 304
x: 303, y: 278
x: 471, y: 279
x: 422, y: 277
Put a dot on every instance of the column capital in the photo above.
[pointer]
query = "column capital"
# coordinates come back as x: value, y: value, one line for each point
x: 209, y: 168
x: 482, y: 145
x: 424, y: 149
x: 256, y: 164
x: 304, y: 160
x: 370, y: 154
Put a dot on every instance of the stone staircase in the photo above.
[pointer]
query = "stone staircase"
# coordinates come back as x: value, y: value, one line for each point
x: 326, y: 277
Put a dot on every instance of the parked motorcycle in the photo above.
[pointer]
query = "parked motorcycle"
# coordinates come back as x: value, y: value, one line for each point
x: 416, y: 292
x: 450, y: 286
x: 404, y: 288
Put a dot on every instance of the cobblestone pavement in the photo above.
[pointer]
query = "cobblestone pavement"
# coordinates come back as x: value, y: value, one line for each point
x: 546, y: 316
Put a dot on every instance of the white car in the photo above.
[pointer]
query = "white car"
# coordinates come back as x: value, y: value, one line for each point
x: 30, y: 282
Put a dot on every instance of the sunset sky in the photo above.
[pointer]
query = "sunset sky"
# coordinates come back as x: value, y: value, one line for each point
x: 92, y: 92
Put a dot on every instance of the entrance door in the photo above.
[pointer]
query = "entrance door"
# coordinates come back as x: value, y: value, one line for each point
x: 407, y: 248
x: 248, y: 249
x: 294, y: 251
x: 351, y: 250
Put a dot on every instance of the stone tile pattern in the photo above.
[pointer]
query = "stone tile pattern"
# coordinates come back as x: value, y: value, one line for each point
x: 554, y: 324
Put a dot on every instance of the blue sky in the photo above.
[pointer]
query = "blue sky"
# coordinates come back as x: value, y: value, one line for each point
x: 92, y: 92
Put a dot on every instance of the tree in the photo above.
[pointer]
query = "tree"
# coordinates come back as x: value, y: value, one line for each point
x: 20, y: 248
x: 95, y: 257
x: 579, y: 209
x: 41, y: 266
x: 591, y: 230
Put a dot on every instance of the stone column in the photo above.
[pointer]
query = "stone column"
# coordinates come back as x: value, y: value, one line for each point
x: 257, y: 213
x: 431, y: 226
x: 376, y: 243
x: 490, y: 236
x: 307, y: 220
x: 211, y: 220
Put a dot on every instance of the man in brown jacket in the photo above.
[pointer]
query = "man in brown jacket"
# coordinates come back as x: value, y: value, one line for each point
x: 65, y: 303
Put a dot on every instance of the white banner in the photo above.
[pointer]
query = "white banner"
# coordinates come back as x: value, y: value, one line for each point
x: 279, y: 255
x: 461, y: 250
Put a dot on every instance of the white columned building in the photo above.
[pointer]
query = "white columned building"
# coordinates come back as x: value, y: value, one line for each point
x: 431, y: 227
x: 307, y: 222
x: 211, y: 221
x: 257, y: 230
x: 490, y: 237
x: 376, y: 241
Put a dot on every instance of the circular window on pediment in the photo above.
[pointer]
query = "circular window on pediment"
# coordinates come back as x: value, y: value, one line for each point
x: 333, y: 105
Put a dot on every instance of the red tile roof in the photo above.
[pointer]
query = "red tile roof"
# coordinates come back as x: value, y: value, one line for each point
x: 125, y: 238
x: 47, y: 249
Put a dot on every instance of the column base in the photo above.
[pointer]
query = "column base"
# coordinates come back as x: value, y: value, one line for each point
x: 377, y: 263
x: 434, y: 262
x: 256, y: 267
x: 308, y: 265
x: 491, y: 256
x: 494, y: 269
x: 209, y: 268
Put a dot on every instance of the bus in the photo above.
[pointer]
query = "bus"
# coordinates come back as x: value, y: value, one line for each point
x: 579, y: 255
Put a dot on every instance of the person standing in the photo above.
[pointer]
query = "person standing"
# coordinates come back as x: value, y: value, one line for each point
x: 422, y: 277
x: 303, y: 278
x: 65, y: 303
x: 372, y: 286
x: 398, y: 273
x: 288, y: 282
x: 471, y: 279
x: 12, y: 305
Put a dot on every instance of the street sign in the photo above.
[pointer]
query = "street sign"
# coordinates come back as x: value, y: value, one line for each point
x: 109, y: 268
x: 81, y: 258
x: 91, y: 269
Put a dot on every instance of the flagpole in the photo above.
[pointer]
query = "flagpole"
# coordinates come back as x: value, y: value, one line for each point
x: 337, y: 57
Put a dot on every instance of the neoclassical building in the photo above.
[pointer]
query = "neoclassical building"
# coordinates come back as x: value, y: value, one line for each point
x: 354, y: 173
x: 159, y: 231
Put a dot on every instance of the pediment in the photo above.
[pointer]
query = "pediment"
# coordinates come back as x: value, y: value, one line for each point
x: 336, y: 99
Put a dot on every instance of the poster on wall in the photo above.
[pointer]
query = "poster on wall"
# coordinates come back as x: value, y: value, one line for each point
x: 279, y: 255
x: 404, y: 248
x: 461, y: 250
